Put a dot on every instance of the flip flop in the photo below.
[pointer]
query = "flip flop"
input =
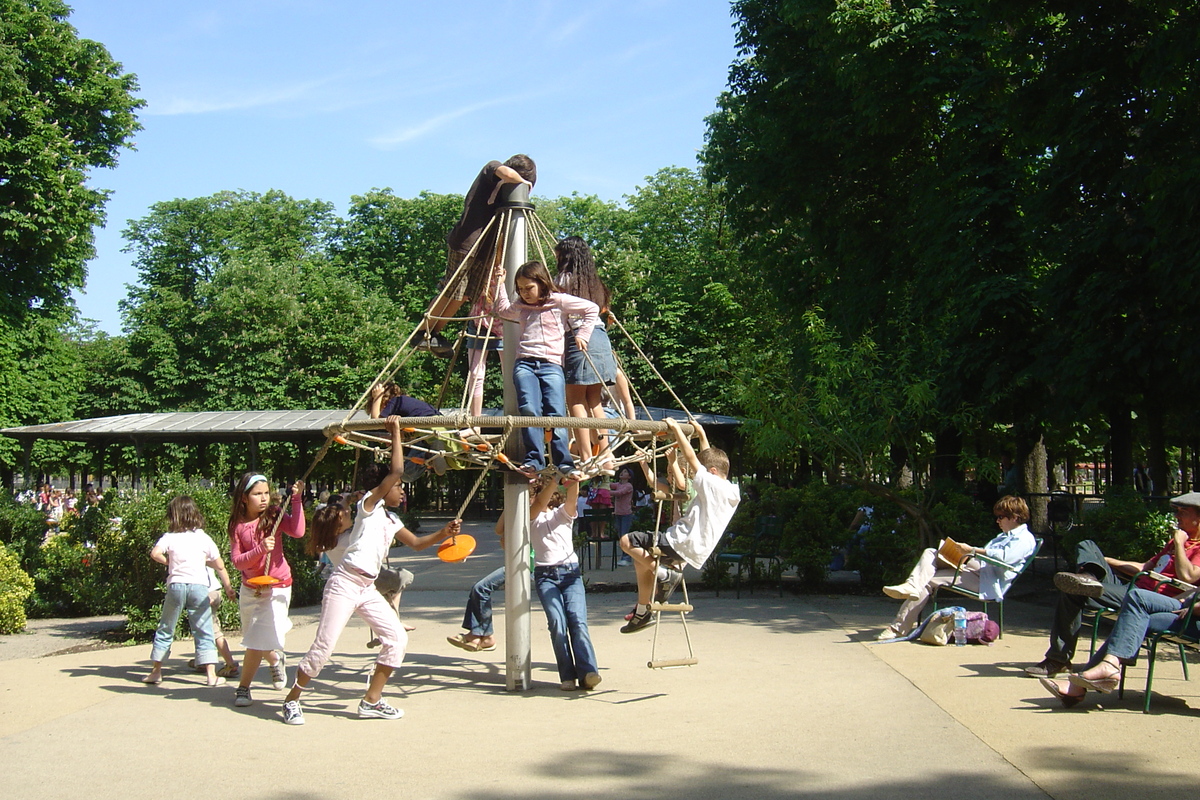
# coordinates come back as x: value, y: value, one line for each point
x: 470, y: 645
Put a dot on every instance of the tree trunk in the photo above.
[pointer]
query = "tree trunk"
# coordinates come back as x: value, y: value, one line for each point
x: 1036, y: 484
x: 1120, y: 440
x: 1160, y: 475
x: 947, y: 457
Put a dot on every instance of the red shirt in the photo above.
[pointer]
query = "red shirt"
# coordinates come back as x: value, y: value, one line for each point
x: 1164, y: 564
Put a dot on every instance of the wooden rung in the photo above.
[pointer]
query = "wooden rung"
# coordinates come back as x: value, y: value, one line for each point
x: 684, y: 607
x: 673, y: 662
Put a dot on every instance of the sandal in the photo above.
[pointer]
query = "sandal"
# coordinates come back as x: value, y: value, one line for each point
x: 1068, y: 700
x: 461, y: 641
x: 1104, y: 685
x: 470, y: 645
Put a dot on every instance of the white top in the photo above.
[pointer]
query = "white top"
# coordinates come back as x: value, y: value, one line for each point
x: 551, y: 535
x: 370, y: 539
x: 696, y: 533
x: 336, y: 553
x: 188, y: 554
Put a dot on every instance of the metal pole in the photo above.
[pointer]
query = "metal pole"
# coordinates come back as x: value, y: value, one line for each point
x: 514, y: 198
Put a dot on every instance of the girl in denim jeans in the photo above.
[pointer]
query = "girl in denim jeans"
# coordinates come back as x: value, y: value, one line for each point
x: 560, y: 585
x: 543, y: 315
x: 187, y: 551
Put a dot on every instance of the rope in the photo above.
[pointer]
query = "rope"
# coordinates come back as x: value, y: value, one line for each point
x: 650, y: 364
x: 304, y: 478
x: 461, y: 421
x: 497, y: 452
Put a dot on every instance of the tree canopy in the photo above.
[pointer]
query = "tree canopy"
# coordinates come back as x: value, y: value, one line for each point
x: 65, y: 108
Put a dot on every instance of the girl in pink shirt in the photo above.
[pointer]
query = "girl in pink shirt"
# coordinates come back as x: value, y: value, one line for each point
x: 538, y: 375
x: 256, y: 550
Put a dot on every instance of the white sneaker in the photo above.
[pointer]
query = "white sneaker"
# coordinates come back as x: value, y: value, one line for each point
x: 279, y: 672
x: 568, y: 686
x: 292, y: 713
x: 591, y: 680
x: 901, y: 591
x: 380, y: 710
x: 241, y: 697
x: 886, y: 634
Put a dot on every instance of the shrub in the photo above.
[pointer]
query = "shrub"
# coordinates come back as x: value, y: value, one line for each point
x: 15, y: 588
x: 1125, y: 527
x: 22, y: 529
x: 67, y: 581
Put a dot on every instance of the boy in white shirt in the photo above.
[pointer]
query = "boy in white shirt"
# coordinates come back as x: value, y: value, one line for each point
x: 694, y: 535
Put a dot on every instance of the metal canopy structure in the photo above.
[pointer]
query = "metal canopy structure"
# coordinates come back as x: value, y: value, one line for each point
x: 201, y: 427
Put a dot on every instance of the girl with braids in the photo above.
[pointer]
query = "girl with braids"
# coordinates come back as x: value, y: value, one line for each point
x: 256, y: 550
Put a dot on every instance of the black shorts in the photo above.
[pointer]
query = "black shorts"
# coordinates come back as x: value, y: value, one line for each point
x: 645, y: 540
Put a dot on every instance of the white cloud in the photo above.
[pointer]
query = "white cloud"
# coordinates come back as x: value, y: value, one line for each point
x: 234, y: 100
x: 420, y: 129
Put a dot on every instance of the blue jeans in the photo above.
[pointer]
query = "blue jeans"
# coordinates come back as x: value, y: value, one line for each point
x: 560, y: 588
x: 478, y: 617
x: 623, y: 523
x: 542, y: 392
x: 194, y: 598
x: 1141, y: 612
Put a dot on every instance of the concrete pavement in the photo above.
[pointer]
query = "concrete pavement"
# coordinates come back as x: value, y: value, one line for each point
x: 789, y: 700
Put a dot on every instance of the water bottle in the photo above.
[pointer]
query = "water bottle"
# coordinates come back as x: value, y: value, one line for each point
x: 960, y: 627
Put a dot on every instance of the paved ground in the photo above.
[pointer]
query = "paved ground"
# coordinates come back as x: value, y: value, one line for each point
x: 789, y: 700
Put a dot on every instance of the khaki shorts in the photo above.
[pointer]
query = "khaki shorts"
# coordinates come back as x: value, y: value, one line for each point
x: 473, y: 279
x: 214, y: 600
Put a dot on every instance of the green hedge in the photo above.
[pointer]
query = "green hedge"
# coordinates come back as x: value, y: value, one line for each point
x: 816, y: 519
x: 99, y: 563
x: 1125, y: 527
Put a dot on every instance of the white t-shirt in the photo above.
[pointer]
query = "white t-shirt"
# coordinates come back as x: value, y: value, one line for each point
x: 336, y: 553
x: 696, y: 533
x: 188, y: 554
x: 370, y: 539
x: 551, y: 536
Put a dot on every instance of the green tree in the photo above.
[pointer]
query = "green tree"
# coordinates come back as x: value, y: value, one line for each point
x: 680, y: 288
x: 179, y: 249
x: 42, y: 371
x: 65, y: 108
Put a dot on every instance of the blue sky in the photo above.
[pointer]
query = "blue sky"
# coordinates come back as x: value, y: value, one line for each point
x: 326, y: 100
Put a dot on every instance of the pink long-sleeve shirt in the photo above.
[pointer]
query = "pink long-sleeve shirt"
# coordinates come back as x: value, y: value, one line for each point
x: 545, y: 327
x: 248, y: 553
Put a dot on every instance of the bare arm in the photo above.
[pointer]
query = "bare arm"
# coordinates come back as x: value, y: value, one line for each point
x: 1185, y: 570
x: 405, y: 536
x: 1128, y: 567
x: 506, y: 174
x: 572, y: 499
x: 685, y: 447
x: 218, y: 566
x: 542, y: 501
x: 379, y: 492
x: 376, y: 404
x: 159, y: 555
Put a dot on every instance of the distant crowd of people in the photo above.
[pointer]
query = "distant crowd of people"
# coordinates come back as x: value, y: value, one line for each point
x: 56, y: 504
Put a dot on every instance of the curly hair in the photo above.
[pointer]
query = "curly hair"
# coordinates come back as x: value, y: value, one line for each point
x: 577, y: 272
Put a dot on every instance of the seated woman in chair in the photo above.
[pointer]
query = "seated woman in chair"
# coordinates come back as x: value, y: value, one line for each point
x: 1013, y: 546
x: 1142, y: 611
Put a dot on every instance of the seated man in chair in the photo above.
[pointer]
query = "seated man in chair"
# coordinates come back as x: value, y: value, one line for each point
x: 1095, y: 579
x: 1013, y: 546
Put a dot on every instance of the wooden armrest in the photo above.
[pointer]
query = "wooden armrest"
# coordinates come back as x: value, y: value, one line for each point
x: 1160, y: 579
